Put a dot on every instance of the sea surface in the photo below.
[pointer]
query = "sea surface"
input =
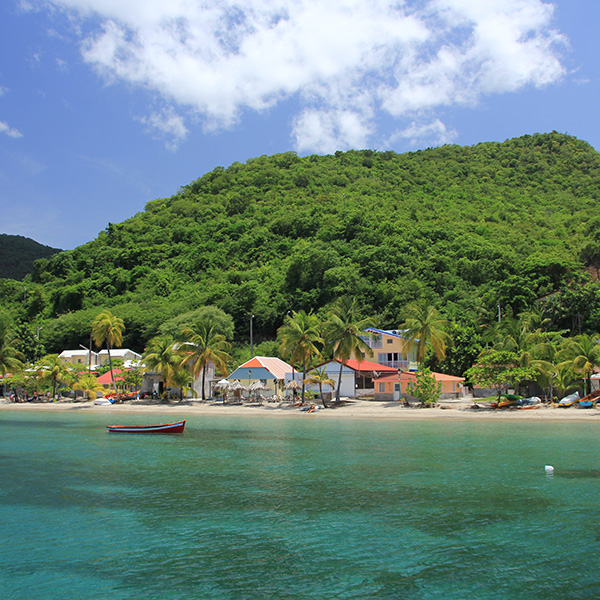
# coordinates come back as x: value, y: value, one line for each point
x: 298, y: 508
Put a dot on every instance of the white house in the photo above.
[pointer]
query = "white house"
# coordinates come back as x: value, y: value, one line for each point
x: 80, y: 357
x: 123, y: 354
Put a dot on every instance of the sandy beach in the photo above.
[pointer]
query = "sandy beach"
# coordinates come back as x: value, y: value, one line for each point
x: 348, y: 409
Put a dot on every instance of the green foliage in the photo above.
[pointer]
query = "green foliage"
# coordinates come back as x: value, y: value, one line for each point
x: 18, y: 254
x: 425, y: 388
x: 467, y: 228
x: 499, y: 369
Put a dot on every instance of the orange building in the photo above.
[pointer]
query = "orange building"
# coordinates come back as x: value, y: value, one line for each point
x: 394, y: 387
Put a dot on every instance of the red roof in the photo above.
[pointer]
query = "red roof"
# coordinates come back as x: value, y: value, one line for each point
x: 106, y: 379
x: 367, y: 365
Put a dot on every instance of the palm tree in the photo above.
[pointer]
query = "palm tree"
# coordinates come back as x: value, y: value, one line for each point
x: 108, y: 328
x: 582, y: 353
x: 180, y: 377
x: 343, y: 335
x: 424, y: 325
x: 320, y: 377
x: 89, y: 385
x: 160, y: 355
x: 299, y: 336
x: 54, y: 370
x: 204, y: 345
x: 11, y: 359
x: 565, y: 379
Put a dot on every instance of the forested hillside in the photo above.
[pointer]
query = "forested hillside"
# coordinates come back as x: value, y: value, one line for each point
x: 18, y: 253
x: 469, y: 227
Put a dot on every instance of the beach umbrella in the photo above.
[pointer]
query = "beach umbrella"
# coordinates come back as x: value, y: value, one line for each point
x: 257, y: 385
x: 236, y: 387
x: 223, y: 386
x: 294, y: 385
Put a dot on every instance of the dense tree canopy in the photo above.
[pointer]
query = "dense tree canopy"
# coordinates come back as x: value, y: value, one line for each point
x: 469, y: 228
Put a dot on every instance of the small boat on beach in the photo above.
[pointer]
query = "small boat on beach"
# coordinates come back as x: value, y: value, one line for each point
x: 569, y: 400
x: 160, y: 428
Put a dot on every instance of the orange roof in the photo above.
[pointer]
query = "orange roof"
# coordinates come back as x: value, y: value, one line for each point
x: 406, y: 375
x: 106, y: 379
x: 276, y: 366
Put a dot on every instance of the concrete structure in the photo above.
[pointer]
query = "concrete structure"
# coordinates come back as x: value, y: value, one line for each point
x: 123, y: 354
x: 80, y: 357
x: 394, y: 387
x: 390, y: 348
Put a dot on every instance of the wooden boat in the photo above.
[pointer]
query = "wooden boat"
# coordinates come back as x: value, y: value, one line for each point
x: 590, y: 400
x: 161, y: 428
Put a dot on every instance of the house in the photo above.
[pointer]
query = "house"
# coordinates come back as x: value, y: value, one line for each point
x: 358, y: 376
x: 80, y: 357
x: 390, y: 387
x: 123, y: 354
x: 390, y: 348
x: 332, y: 370
x: 270, y: 371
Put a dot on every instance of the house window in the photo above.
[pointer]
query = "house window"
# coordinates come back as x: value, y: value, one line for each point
x: 382, y: 388
x: 390, y: 341
x: 396, y: 387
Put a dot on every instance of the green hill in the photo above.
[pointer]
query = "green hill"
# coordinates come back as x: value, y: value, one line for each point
x: 471, y: 227
x: 18, y: 253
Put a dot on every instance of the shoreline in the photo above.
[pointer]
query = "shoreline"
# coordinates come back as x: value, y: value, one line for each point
x: 349, y: 409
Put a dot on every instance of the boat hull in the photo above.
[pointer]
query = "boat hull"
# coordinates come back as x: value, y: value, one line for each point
x: 160, y: 428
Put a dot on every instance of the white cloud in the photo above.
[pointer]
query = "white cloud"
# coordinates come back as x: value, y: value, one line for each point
x: 326, y: 132
x: 346, y: 60
x: 432, y: 133
x: 9, y: 131
x: 169, y: 124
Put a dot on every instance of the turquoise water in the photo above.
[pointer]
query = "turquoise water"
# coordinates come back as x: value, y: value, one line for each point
x: 298, y: 508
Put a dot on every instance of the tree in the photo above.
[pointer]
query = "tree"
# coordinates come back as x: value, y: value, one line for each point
x: 108, y: 328
x: 320, y: 377
x: 299, y: 336
x: 343, y: 335
x: 425, y: 388
x: 88, y: 384
x: 499, y: 369
x: 161, y: 356
x: 461, y: 354
x: 582, y: 354
x: 11, y: 359
x: 54, y: 370
x: 133, y: 377
x: 180, y: 378
x: 204, y: 345
x: 424, y: 325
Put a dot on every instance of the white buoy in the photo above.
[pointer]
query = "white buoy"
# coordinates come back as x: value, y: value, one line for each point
x: 549, y: 469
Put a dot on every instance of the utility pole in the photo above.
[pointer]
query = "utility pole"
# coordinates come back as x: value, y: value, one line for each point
x: 251, y: 339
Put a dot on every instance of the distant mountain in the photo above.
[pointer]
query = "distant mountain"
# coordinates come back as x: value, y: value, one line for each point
x: 17, y: 254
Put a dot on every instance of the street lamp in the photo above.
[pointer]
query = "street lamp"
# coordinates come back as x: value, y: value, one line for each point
x: 251, y: 340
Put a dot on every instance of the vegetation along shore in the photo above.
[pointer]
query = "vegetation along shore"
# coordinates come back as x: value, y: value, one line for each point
x: 483, y: 259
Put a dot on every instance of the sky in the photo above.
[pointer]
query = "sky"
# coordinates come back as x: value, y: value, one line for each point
x: 108, y: 104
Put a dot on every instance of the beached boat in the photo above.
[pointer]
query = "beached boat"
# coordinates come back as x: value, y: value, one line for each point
x: 569, y: 400
x: 590, y: 400
x: 161, y: 428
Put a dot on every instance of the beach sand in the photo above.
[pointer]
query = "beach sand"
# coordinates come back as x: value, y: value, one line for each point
x: 348, y: 409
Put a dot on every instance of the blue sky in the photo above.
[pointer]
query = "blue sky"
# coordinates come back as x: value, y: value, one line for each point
x: 107, y: 104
